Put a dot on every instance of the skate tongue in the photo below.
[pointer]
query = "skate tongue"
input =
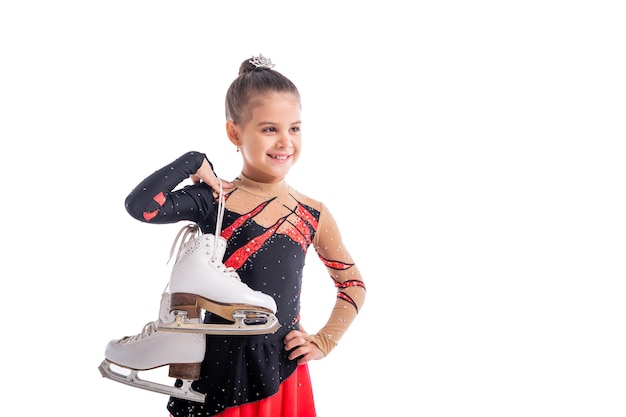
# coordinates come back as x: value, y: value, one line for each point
x: 164, y: 312
x: 219, y: 247
x: 192, y: 232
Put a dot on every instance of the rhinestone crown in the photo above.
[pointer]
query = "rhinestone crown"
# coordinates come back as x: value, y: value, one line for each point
x: 261, y: 62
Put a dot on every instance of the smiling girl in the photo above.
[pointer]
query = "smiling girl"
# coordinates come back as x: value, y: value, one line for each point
x: 268, y: 226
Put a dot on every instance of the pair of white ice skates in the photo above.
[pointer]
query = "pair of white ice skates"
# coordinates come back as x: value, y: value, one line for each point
x: 199, y: 281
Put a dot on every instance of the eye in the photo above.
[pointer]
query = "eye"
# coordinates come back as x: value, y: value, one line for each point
x: 295, y: 129
x: 269, y: 129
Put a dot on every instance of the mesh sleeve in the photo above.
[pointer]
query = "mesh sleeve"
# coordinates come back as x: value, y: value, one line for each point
x: 346, y: 277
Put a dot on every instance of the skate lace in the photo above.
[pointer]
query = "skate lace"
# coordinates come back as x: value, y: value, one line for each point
x: 218, y: 223
x: 190, y: 232
x: 228, y: 271
x: 185, y: 235
x: 147, y: 330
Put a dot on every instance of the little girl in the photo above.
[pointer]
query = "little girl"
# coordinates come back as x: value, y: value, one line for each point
x: 269, y: 227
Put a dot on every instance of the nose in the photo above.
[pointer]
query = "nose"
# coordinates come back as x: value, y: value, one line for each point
x: 284, y: 141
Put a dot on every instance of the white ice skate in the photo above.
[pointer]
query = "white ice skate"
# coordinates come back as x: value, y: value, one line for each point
x: 200, y: 281
x: 151, y: 349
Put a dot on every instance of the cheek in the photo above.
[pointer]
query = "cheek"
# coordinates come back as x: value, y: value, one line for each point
x: 297, y: 142
x: 253, y: 148
x: 297, y: 153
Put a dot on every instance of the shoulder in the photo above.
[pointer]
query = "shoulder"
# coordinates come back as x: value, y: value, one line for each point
x: 323, y: 215
x: 307, y: 200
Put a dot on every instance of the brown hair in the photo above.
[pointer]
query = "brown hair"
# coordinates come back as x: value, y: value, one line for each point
x: 252, y: 81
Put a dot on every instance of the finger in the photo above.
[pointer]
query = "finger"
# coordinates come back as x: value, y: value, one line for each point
x: 299, y: 353
x: 220, y: 184
x: 294, y: 343
x: 292, y: 335
x: 227, y: 184
x: 304, y: 359
x: 294, y: 339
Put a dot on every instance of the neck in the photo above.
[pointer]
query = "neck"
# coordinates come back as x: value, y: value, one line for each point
x: 261, y: 188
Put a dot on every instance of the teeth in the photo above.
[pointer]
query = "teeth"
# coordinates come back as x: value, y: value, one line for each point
x: 280, y: 157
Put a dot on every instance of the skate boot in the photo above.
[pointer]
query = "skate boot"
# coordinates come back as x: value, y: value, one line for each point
x: 151, y: 349
x: 200, y: 281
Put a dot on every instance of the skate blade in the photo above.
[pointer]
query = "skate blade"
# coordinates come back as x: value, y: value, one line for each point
x: 132, y: 379
x: 246, y: 322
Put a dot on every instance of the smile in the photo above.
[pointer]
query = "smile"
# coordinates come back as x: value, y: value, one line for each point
x: 280, y: 157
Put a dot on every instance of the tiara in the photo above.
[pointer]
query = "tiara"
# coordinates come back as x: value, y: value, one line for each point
x: 261, y: 62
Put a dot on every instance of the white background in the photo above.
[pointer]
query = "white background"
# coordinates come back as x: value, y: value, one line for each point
x: 472, y: 153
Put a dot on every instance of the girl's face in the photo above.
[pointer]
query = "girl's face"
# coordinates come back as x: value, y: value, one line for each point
x: 270, y: 140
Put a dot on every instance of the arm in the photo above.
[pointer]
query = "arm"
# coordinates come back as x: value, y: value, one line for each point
x: 154, y: 199
x: 350, y: 294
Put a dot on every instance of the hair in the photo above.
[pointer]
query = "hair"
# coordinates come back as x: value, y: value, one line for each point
x: 252, y: 82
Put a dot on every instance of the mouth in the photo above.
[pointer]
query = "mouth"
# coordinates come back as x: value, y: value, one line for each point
x: 279, y: 157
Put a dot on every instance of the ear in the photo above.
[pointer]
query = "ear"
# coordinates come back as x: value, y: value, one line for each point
x: 232, y: 132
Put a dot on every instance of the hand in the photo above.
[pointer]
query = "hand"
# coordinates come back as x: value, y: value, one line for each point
x: 205, y: 174
x: 299, y: 341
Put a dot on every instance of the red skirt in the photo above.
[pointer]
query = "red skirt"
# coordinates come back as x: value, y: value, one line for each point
x: 293, y: 399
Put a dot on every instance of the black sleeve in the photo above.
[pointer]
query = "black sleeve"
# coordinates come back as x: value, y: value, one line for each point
x: 154, y: 200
